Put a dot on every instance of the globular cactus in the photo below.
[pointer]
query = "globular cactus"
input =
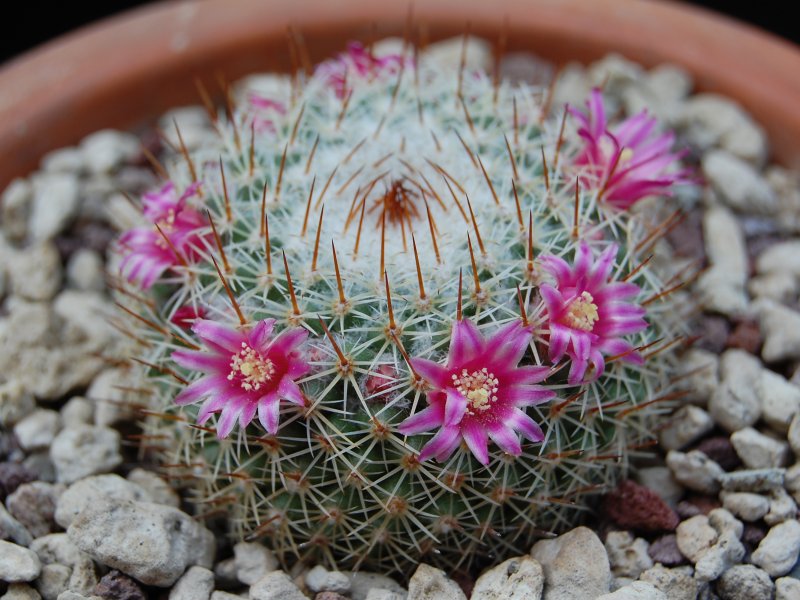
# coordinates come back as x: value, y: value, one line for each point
x: 399, y: 313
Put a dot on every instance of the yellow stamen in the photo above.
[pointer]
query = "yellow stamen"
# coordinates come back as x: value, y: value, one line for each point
x: 582, y: 313
x: 478, y: 387
x: 251, y: 369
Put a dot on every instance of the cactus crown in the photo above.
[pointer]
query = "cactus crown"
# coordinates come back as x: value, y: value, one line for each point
x: 395, y: 312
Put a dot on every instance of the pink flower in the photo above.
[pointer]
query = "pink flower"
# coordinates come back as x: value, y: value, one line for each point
x: 265, y: 111
x: 245, y: 372
x: 587, y: 314
x: 356, y: 61
x: 147, y: 253
x: 479, y: 394
x: 186, y: 315
x: 632, y: 161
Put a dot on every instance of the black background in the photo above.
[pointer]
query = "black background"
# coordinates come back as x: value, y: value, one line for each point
x: 36, y: 21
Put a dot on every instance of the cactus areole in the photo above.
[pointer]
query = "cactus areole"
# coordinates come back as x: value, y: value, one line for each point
x: 398, y: 312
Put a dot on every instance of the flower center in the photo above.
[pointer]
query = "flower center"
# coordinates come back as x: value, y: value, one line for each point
x: 478, y: 387
x: 608, y: 149
x: 582, y: 313
x: 250, y: 369
x: 167, y: 226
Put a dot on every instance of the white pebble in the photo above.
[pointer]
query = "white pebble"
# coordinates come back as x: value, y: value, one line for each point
x: 105, y: 150
x: 787, y: 588
x: 319, y: 579
x: 780, y: 400
x: 429, y: 583
x: 721, y: 288
x: 695, y: 536
x: 90, y: 490
x: 628, y: 556
x: 85, y: 271
x: 778, y: 551
x: 196, y: 583
x: 55, y: 204
x: 150, y: 542
x: 638, y: 590
x: 85, y: 450
x: 759, y: 451
x: 709, y: 120
x: 780, y: 327
x: 695, y: 471
x: 36, y: 273
x: 575, y: 565
x: 519, y: 578
x: 745, y: 505
x: 276, y: 585
x: 18, y: 564
x: 38, y: 429
x: 688, y: 424
x: 735, y: 403
x: 253, y: 561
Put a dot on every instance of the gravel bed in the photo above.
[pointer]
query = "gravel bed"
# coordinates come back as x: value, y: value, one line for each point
x: 712, y: 515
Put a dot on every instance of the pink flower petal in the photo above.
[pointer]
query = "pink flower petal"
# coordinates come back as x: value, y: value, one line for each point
x: 425, y: 420
x: 454, y: 408
x: 247, y: 414
x: 506, y: 438
x: 476, y: 439
x: 195, y: 391
x: 527, y: 395
x: 465, y: 344
x: 441, y: 445
x: 522, y: 422
x: 431, y: 372
x: 269, y: 412
x: 526, y: 375
x: 227, y: 420
x: 508, y: 345
x: 559, y: 340
x: 217, y: 336
x: 260, y: 334
x: 201, y: 361
x: 291, y: 391
x: 288, y: 340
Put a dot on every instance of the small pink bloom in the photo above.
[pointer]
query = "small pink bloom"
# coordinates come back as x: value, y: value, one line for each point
x: 186, y: 315
x: 245, y: 372
x: 631, y: 161
x: 265, y: 111
x: 147, y: 254
x: 356, y: 61
x: 587, y: 314
x: 378, y: 385
x: 480, y: 393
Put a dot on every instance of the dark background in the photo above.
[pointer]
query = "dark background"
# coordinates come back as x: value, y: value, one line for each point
x: 36, y: 21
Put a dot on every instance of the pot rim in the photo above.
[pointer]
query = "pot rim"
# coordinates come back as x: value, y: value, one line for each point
x: 166, y: 47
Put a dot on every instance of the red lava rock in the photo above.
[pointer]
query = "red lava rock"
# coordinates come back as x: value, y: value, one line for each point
x: 13, y: 475
x: 697, y: 505
x: 713, y: 333
x: 747, y: 336
x: 632, y: 506
x: 33, y: 505
x: 686, y: 238
x: 752, y: 535
x: 118, y: 586
x: 720, y: 450
x: 330, y: 596
x: 665, y: 550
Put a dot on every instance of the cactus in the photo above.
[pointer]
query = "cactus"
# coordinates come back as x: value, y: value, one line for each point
x: 398, y: 312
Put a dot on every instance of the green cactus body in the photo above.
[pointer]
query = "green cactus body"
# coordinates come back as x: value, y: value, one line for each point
x: 376, y: 203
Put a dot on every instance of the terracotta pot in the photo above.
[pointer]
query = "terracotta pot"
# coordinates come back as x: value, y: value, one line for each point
x: 126, y: 69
